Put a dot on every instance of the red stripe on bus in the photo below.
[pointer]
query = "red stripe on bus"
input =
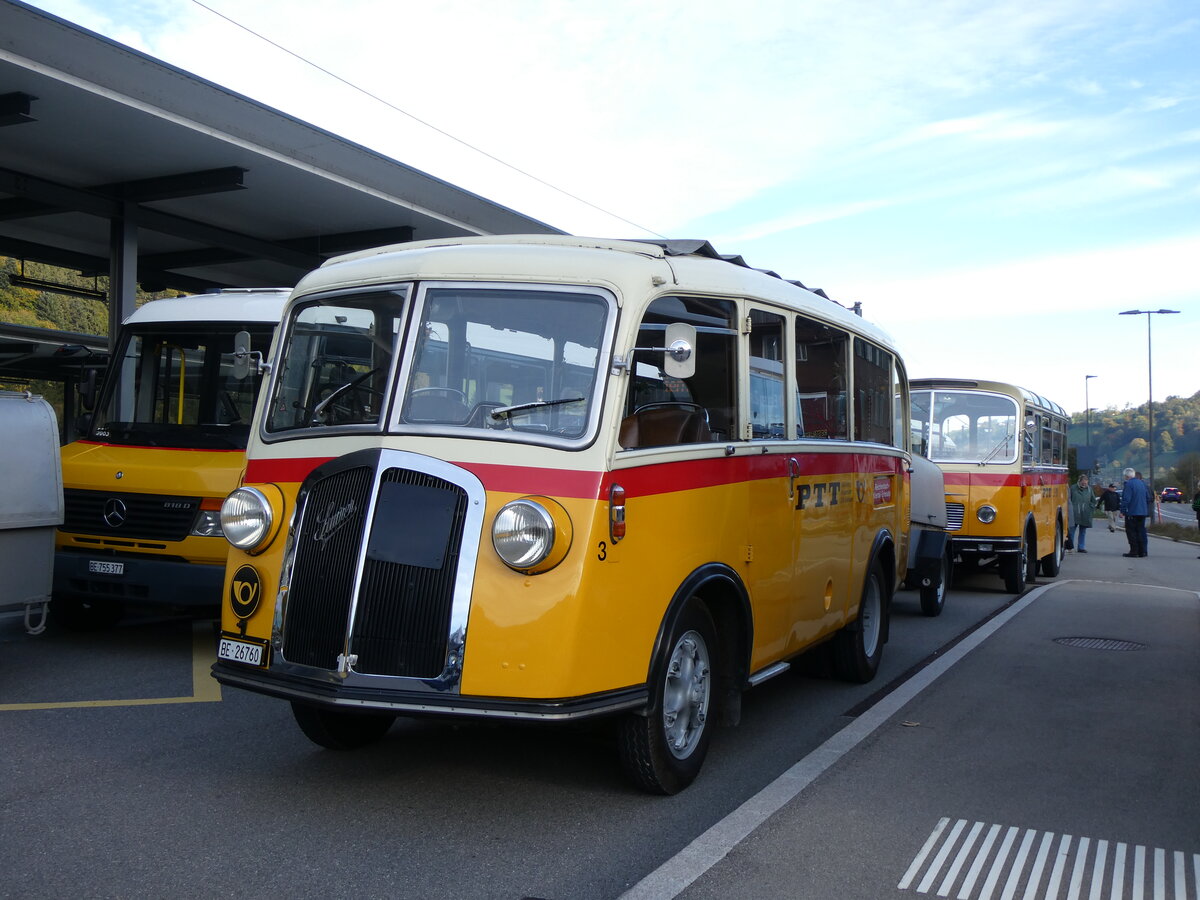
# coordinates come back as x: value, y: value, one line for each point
x: 657, y: 478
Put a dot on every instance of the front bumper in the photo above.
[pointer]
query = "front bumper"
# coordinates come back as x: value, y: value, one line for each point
x: 333, y: 693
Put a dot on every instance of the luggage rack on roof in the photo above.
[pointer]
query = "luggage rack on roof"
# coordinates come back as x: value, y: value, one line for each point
x: 694, y: 247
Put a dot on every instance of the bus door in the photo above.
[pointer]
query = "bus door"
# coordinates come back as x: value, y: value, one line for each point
x: 821, y: 491
x: 772, y: 478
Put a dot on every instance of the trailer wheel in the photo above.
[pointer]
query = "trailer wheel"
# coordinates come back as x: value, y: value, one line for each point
x: 933, y: 598
x: 337, y: 730
x: 663, y: 749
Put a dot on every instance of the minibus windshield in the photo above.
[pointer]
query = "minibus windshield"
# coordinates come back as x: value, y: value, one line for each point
x: 507, y: 362
x: 173, y: 385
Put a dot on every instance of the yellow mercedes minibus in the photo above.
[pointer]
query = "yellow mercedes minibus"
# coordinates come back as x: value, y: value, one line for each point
x: 1003, y: 453
x: 554, y: 478
x: 166, y: 443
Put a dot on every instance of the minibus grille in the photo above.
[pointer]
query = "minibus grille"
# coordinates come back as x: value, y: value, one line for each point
x: 155, y: 517
x: 954, y: 516
x: 402, y: 618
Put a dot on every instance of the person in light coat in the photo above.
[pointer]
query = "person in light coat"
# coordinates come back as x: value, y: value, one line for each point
x: 1083, y: 501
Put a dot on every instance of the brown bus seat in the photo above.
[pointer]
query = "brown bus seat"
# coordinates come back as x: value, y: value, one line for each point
x: 665, y: 424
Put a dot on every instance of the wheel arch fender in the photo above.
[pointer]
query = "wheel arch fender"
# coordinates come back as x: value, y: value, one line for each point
x: 883, y: 551
x: 724, y: 595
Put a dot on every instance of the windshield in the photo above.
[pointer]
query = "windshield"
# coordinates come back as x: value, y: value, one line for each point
x: 965, y: 426
x: 504, y: 362
x: 172, y: 385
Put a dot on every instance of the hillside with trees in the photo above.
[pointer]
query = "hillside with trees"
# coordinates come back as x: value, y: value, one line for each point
x: 1120, y: 438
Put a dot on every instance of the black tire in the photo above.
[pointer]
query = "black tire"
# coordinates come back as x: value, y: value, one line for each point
x: 1019, y: 569
x: 858, y: 647
x: 82, y: 614
x: 337, y: 730
x: 662, y: 751
x: 1051, y: 564
x: 933, y: 598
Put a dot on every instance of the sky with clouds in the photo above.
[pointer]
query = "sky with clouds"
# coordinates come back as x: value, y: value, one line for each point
x: 994, y: 182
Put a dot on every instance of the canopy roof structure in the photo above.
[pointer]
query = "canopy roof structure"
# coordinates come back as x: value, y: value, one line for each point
x: 115, y: 163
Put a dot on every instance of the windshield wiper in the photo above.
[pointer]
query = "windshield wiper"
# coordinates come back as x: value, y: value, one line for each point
x: 503, y: 412
x: 337, y: 392
x: 1003, y: 443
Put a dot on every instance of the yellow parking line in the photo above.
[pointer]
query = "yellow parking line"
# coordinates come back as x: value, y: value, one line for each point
x: 205, y: 688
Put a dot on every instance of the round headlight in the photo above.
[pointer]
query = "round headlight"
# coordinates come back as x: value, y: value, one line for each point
x: 986, y: 514
x: 523, y: 534
x: 246, y: 518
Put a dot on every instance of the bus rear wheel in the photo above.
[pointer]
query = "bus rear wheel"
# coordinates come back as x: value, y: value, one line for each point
x: 337, y: 730
x: 1051, y: 564
x: 663, y: 749
x: 858, y: 647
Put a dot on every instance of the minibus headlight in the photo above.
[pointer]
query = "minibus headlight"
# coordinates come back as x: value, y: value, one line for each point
x: 532, y: 534
x: 246, y: 518
x: 986, y: 514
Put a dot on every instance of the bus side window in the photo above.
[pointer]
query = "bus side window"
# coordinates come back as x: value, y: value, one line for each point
x: 661, y: 410
x: 820, y: 380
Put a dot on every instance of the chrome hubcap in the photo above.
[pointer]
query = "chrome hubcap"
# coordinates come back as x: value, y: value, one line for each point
x: 686, y: 694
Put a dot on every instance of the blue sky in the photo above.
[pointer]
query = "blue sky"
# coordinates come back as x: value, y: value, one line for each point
x: 995, y: 182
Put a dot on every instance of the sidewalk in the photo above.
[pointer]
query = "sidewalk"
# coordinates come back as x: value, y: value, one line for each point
x: 1056, y: 755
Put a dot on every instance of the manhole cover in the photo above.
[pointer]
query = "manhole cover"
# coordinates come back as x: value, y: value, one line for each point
x: 1093, y: 643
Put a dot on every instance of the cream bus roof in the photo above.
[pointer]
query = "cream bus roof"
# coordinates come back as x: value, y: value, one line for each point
x: 1002, y: 387
x: 629, y: 267
x: 228, y: 305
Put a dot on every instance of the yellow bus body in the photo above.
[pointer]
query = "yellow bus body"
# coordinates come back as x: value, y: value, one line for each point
x: 782, y: 540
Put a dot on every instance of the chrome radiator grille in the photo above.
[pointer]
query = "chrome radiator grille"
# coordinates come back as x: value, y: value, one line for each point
x: 954, y: 516
x: 401, y: 621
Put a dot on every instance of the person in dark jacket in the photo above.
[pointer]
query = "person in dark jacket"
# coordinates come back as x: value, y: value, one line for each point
x: 1110, y: 502
x: 1135, y: 504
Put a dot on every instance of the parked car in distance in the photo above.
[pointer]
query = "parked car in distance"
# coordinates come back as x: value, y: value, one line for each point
x: 1171, y: 495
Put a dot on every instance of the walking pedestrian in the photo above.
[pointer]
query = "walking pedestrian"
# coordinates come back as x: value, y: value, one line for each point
x: 1110, y: 502
x: 1196, y: 507
x: 1135, y: 504
x: 1083, y: 501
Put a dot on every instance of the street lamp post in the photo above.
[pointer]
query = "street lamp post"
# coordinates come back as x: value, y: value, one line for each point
x: 1087, y: 413
x: 1150, y: 385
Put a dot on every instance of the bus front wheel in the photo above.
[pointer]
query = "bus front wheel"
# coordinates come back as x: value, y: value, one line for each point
x: 337, y: 730
x: 1018, y: 569
x: 662, y: 750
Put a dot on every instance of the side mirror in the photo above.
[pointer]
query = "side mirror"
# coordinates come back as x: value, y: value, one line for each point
x: 87, y: 389
x: 679, y: 357
x: 241, y: 355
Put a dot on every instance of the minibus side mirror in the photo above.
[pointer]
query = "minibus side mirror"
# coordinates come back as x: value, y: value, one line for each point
x: 679, y: 358
x: 246, y: 360
x: 87, y: 389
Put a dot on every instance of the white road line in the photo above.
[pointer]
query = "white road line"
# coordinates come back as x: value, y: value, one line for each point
x: 1168, y: 871
x: 977, y: 866
x: 960, y: 860
x: 1039, y: 865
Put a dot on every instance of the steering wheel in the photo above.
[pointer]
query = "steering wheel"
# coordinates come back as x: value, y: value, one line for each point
x: 451, y: 393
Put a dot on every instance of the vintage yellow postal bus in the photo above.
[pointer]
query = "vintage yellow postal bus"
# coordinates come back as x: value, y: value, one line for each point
x: 1003, y: 452
x: 554, y: 478
x: 165, y: 446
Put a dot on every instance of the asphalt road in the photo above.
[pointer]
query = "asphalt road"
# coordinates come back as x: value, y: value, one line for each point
x: 126, y: 771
